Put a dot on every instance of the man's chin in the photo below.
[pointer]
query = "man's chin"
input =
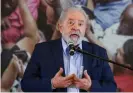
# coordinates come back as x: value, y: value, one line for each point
x: 76, y: 41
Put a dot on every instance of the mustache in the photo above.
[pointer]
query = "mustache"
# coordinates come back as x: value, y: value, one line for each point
x: 75, y: 31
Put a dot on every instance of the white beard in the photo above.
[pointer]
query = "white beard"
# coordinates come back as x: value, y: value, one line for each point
x: 75, y: 41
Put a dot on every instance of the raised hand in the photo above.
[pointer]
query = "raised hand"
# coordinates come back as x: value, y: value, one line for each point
x: 84, y: 83
x: 62, y: 82
x: 18, y: 65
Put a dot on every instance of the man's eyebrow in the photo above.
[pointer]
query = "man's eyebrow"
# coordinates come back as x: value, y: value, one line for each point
x: 70, y: 19
x: 81, y: 21
x: 73, y: 19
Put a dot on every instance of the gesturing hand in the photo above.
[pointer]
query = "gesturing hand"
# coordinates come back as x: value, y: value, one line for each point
x: 62, y: 82
x: 18, y: 65
x: 84, y: 83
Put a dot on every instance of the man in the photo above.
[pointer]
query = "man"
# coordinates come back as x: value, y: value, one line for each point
x: 126, y: 21
x: 51, y: 68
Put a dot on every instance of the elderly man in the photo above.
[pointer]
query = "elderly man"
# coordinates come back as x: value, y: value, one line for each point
x: 51, y: 68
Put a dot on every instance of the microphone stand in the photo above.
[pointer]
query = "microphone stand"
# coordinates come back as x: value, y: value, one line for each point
x: 89, y: 54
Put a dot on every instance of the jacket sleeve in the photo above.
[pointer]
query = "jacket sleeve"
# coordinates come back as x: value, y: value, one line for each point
x: 32, y: 81
x: 106, y: 83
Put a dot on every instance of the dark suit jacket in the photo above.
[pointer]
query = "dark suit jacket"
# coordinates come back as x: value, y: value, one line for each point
x: 47, y: 58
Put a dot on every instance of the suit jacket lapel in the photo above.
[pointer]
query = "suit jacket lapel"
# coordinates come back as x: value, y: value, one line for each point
x: 57, y: 50
x: 58, y: 55
x: 87, y: 60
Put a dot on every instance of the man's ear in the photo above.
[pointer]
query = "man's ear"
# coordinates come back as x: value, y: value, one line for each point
x: 87, y: 28
x: 60, y: 27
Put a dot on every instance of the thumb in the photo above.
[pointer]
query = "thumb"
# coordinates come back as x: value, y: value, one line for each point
x: 15, y: 57
x: 59, y: 72
x: 86, y: 75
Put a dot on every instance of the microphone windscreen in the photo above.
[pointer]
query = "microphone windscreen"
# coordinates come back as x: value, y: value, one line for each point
x: 71, y: 48
x: 70, y: 43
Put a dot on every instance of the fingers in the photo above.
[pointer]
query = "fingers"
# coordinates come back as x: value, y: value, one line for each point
x: 70, y: 77
x: 69, y: 81
x: 61, y: 82
x: 20, y: 68
x: 67, y: 84
x: 82, y: 84
x: 76, y: 79
x: 15, y: 57
x: 77, y: 84
x: 17, y: 63
x: 14, y: 60
x: 59, y: 73
x: 21, y: 65
x: 86, y: 75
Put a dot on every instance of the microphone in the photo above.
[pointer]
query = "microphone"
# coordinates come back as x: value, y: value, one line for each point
x: 101, y: 58
x: 71, y: 48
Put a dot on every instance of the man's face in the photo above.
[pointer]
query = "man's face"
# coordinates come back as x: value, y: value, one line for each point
x: 126, y: 22
x: 73, y: 27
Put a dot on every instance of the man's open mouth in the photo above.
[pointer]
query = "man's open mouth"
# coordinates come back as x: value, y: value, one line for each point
x: 74, y: 36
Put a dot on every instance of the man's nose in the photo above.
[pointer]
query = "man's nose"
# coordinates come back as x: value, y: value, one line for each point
x: 75, y: 26
x: 75, y: 30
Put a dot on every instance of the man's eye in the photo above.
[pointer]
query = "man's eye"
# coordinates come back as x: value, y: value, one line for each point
x: 80, y: 24
x: 70, y: 22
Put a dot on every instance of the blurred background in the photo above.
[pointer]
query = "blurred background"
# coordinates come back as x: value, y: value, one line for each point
x: 24, y: 23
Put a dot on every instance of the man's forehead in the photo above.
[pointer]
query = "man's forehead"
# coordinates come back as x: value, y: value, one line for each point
x: 80, y: 20
x: 75, y: 15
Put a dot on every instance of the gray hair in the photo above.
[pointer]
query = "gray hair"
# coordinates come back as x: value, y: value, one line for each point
x: 73, y: 8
